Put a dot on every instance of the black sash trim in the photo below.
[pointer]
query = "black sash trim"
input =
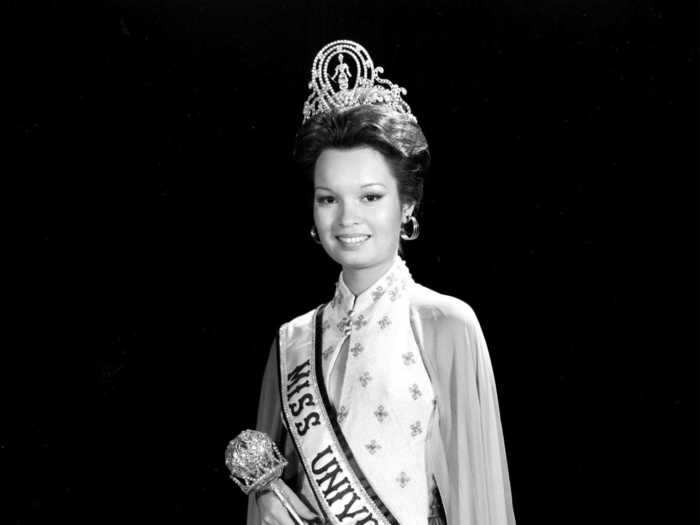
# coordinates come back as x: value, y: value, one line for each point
x: 379, y: 504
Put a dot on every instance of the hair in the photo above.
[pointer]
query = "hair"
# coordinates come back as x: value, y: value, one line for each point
x: 396, y: 136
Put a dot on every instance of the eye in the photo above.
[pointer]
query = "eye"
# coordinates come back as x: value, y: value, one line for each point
x: 372, y: 197
x: 324, y: 200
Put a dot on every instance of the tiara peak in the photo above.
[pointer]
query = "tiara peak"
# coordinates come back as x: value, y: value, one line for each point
x: 342, y: 88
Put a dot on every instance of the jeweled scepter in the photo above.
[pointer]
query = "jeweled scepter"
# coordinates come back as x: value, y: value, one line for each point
x: 255, y: 463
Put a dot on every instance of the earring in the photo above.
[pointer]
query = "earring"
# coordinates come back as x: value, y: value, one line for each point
x: 314, y: 235
x: 415, y: 229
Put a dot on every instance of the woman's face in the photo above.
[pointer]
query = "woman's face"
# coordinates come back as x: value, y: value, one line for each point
x: 357, y: 209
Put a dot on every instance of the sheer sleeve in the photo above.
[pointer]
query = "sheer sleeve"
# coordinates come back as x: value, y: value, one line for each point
x: 467, y: 453
x: 270, y: 421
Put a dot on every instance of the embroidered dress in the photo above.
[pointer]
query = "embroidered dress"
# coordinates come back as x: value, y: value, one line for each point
x: 381, y: 390
x: 463, y: 451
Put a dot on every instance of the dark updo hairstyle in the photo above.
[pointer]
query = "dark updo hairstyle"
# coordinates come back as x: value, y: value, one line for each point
x: 393, y: 134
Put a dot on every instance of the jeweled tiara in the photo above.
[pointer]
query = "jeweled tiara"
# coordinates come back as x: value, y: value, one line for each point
x: 346, y: 88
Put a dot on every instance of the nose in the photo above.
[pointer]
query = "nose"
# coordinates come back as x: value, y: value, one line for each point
x: 348, y: 215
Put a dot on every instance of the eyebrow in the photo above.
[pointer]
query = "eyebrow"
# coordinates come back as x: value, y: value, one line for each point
x: 363, y: 186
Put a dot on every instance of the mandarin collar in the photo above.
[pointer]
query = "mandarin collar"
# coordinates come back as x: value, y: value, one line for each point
x: 391, y: 284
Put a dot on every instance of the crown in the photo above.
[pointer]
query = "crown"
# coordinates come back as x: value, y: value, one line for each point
x: 334, y: 85
x: 253, y: 460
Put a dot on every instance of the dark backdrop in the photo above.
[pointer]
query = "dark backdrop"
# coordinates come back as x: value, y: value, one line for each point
x: 163, y: 238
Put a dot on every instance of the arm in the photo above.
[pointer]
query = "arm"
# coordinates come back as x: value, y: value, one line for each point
x: 269, y: 420
x: 468, y: 457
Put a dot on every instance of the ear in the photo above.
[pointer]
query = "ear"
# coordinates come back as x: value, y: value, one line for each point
x: 407, y: 210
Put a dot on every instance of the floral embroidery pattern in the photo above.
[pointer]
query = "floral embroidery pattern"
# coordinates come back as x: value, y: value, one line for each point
x: 377, y: 294
x: 344, y: 325
x: 372, y: 447
x: 365, y: 379
x: 390, y: 279
x: 357, y: 349
x: 403, y: 479
x: 342, y: 414
x: 408, y: 358
x: 384, y: 322
x: 327, y: 352
x: 394, y: 294
x: 416, y: 429
x: 360, y: 322
x: 381, y: 413
x: 326, y: 325
x: 415, y: 391
x: 337, y: 298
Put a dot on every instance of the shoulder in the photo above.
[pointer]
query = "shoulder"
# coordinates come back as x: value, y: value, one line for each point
x: 440, y: 309
x: 299, y: 328
x: 446, y: 329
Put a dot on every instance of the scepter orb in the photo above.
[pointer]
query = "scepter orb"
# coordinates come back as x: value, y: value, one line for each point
x: 255, y: 463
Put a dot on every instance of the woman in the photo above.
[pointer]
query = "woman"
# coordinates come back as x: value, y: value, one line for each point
x: 383, y: 399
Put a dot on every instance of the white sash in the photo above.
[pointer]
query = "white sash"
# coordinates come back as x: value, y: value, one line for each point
x: 341, y: 489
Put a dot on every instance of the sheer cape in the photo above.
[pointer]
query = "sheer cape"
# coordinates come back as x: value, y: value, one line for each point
x: 465, y: 447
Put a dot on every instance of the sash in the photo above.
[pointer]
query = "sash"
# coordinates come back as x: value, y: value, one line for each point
x: 342, y: 491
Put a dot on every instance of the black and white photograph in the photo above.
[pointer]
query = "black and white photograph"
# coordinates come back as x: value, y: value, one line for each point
x: 352, y: 263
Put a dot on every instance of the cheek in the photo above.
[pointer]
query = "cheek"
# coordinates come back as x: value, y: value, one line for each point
x: 389, y: 218
x: 323, y: 218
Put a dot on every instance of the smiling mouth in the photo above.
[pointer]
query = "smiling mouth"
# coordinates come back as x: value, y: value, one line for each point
x: 352, y: 240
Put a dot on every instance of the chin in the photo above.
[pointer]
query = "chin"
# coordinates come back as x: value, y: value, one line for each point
x: 354, y: 260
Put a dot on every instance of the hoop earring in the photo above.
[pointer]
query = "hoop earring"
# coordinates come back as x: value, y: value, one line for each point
x: 415, y: 230
x: 314, y: 235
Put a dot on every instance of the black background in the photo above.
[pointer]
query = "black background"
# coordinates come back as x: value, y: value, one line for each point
x: 163, y: 238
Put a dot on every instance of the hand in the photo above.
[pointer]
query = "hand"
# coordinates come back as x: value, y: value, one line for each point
x: 272, y: 511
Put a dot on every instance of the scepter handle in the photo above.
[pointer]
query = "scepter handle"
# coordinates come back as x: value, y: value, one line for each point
x: 285, y: 503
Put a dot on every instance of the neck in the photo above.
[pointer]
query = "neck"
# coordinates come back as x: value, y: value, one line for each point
x: 359, y: 280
